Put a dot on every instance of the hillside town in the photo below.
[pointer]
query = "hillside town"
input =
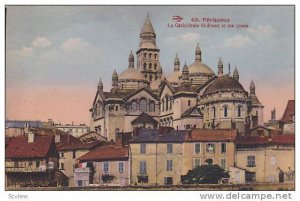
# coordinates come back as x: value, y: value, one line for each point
x: 153, y: 129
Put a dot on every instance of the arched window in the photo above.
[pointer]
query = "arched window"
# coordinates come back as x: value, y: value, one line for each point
x: 170, y: 104
x: 145, y: 66
x: 163, y: 105
x: 225, y: 111
x: 150, y: 66
x: 155, y: 56
x: 150, y: 55
x: 155, y: 65
x: 167, y: 103
x: 214, y: 112
x: 133, y: 105
x: 189, y: 103
x: 117, y: 108
x: 116, y: 133
x: 143, y: 105
x: 152, y: 106
x: 145, y: 55
x: 150, y: 77
x: 239, y: 111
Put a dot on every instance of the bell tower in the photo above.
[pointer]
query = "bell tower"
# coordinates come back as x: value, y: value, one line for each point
x: 148, y: 53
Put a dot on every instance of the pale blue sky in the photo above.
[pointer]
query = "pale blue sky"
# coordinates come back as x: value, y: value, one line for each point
x: 76, y: 45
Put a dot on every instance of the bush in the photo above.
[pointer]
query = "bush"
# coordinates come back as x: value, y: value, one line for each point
x: 106, y: 178
x: 204, y: 174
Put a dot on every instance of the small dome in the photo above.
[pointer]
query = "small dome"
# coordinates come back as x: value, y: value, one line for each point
x: 174, y: 77
x: 224, y: 83
x: 199, y: 67
x: 131, y: 74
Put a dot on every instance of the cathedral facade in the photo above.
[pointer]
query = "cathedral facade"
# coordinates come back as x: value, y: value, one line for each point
x: 194, y: 97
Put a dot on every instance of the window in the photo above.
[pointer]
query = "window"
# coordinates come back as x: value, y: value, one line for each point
x: 155, y: 56
x: 169, y: 165
x: 105, y: 167
x: 239, y: 111
x: 62, y: 166
x: 143, y: 105
x: 16, y: 164
x: 150, y: 66
x: 210, y: 148
x: 196, y: 162
x: 163, y: 105
x: 214, y: 112
x: 151, y: 106
x: 74, y: 154
x: 37, y: 164
x: 117, y: 108
x: 168, y: 180
x: 145, y: 66
x: 223, y: 163
x: 223, y: 148
x: 143, y: 167
x: 150, y: 55
x: 142, y: 148
x: 225, y: 111
x: 273, y: 160
x: 62, y: 154
x: 189, y: 103
x: 169, y: 148
x: 251, y: 161
x: 79, y: 183
x: 167, y: 103
x: 155, y: 65
x: 121, y: 167
x: 133, y: 106
x: 145, y: 55
x: 197, y: 148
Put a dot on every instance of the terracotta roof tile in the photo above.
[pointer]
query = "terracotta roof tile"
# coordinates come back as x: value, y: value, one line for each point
x: 263, y: 140
x: 18, y: 147
x: 211, y: 135
x: 105, y: 153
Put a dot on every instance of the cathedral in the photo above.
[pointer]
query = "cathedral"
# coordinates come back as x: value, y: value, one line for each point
x: 194, y: 97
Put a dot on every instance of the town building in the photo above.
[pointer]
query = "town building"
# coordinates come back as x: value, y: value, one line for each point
x: 106, y: 165
x: 70, y: 149
x: 75, y: 130
x: 31, y: 160
x: 15, y: 128
x: 266, y: 157
x: 194, y: 97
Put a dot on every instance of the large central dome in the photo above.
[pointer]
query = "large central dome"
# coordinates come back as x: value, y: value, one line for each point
x: 224, y: 83
x: 131, y: 74
x: 200, y: 68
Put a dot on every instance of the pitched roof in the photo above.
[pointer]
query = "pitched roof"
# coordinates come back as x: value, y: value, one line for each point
x: 289, y: 111
x: 190, y: 112
x: 106, y: 153
x: 19, y: 147
x: 144, y: 118
x: 147, y: 28
x: 265, y: 140
x: 75, y: 145
x: 155, y: 136
x: 211, y: 135
x: 254, y: 100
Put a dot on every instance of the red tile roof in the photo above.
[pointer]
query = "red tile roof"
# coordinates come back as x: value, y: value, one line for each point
x: 18, y: 147
x: 289, y: 111
x: 211, y: 135
x: 74, y: 145
x: 287, y: 139
x: 106, y: 153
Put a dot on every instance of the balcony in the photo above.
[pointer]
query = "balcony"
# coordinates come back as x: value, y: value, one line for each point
x: 41, y: 168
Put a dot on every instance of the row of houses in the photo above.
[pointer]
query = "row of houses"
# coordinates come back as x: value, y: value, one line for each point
x: 162, y: 156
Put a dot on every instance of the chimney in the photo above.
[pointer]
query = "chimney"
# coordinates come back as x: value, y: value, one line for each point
x: 30, y: 137
x: 57, y: 137
x: 26, y: 128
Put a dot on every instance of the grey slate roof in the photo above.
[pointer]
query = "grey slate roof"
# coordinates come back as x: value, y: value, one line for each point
x: 21, y: 123
x: 153, y: 136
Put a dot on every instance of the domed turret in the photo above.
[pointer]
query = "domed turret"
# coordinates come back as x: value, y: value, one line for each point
x: 198, y: 53
x: 236, y: 74
x: 100, y: 85
x: 220, y: 67
x: 185, y: 73
x: 115, y: 78
x: 252, y: 87
x: 131, y: 60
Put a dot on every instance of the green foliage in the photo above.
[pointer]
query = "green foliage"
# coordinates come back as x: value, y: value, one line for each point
x: 106, y: 178
x: 204, y: 174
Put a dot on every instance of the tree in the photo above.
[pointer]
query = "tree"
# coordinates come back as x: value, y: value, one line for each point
x: 204, y: 174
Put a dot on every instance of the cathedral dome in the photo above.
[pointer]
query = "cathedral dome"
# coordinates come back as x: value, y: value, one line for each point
x: 200, y: 68
x: 174, y: 77
x: 131, y: 74
x: 224, y: 83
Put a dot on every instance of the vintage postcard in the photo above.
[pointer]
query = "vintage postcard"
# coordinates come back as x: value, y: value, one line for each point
x: 161, y: 98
